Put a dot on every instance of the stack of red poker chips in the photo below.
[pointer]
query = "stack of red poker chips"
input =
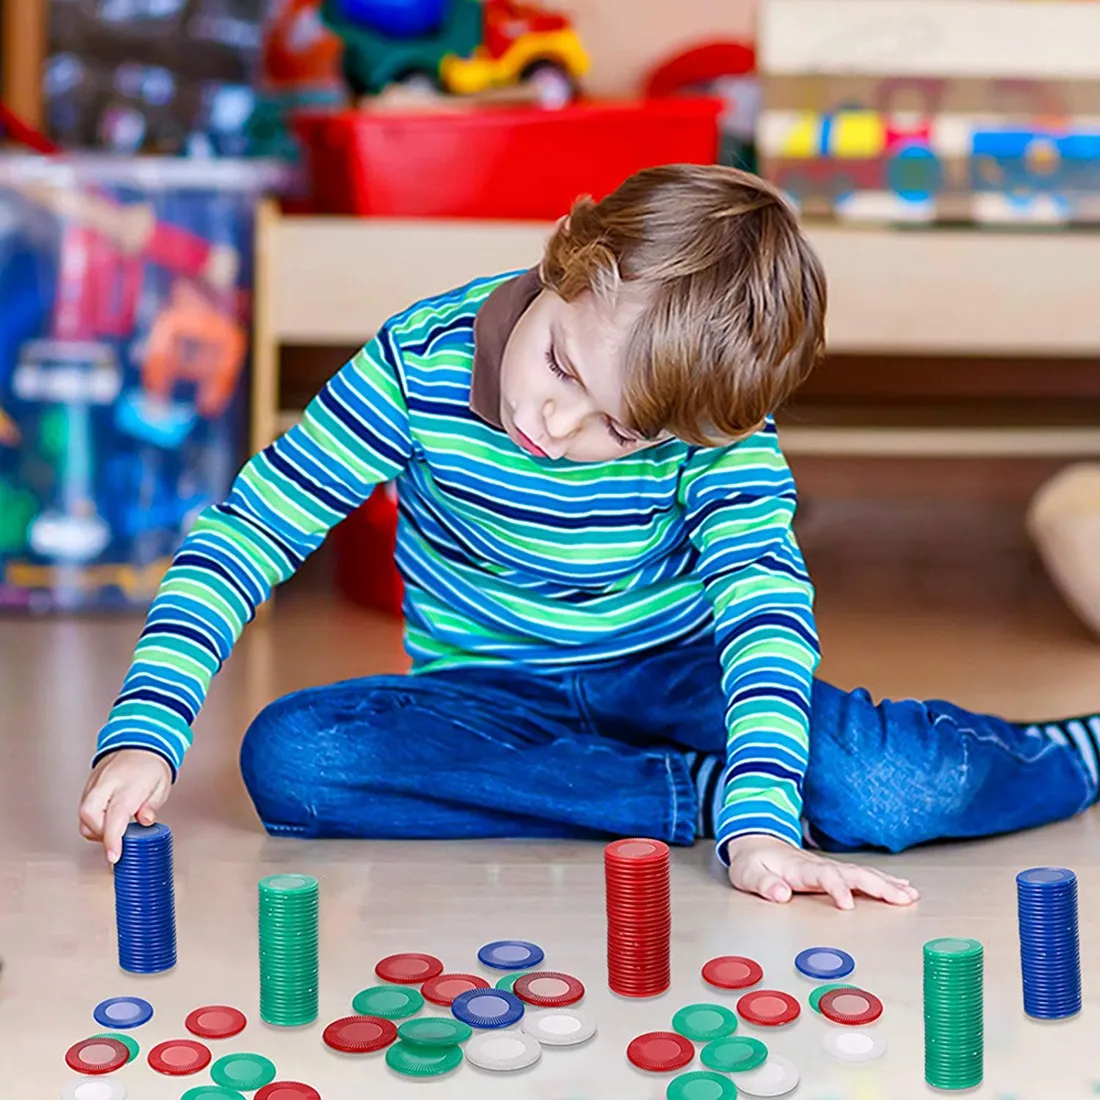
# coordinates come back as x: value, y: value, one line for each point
x: 639, y: 917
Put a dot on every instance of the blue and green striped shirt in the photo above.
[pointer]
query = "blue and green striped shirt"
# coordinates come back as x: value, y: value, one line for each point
x: 506, y: 557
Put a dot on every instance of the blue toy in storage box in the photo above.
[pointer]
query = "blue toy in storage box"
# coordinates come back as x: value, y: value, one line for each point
x: 124, y: 308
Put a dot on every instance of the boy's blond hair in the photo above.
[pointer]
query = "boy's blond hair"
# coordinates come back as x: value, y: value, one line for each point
x: 734, y: 296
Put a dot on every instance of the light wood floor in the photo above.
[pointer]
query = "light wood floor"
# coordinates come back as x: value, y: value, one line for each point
x: 983, y: 629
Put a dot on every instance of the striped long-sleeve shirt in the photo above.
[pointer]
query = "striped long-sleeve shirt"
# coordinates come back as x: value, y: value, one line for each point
x: 506, y: 557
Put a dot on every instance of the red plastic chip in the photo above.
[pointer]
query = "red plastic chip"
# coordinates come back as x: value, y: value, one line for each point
x: 732, y: 972
x: 95, y: 1056
x: 359, y: 1034
x: 287, y: 1090
x: 661, y: 1051
x: 179, y: 1057
x: 408, y: 969
x: 216, y: 1022
x: 638, y: 851
x: 850, y: 1006
x: 443, y: 989
x: 768, y: 1007
x: 548, y: 989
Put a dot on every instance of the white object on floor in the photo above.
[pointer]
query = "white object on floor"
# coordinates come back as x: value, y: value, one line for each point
x: 776, y: 1077
x: 95, y: 1088
x: 854, y: 1044
x: 559, y: 1027
x: 503, y: 1050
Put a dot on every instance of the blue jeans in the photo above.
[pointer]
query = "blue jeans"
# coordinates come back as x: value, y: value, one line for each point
x: 597, y: 751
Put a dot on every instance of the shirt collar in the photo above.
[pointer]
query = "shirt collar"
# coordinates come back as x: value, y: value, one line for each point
x: 496, y: 318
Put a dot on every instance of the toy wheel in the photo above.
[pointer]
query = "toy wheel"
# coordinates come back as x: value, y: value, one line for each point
x: 418, y: 80
x: 552, y: 82
x: 354, y: 75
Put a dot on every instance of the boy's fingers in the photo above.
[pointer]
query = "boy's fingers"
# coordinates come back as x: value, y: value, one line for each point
x: 118, y: 817
x: 147, y: 815
x: 757, y: 879
x: 829, y: 879
x: 92, y: 811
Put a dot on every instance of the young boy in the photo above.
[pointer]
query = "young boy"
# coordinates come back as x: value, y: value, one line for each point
x: 609, y: 619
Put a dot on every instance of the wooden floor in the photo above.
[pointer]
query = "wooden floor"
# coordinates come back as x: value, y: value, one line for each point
x: 924, y: 610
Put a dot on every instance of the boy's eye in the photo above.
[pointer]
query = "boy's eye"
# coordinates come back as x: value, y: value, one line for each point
x: 622, y: 440
x: 555, y: 366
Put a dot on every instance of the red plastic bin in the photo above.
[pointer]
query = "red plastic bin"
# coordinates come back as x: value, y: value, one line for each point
x: 517, y: 162
x: 363, y: 545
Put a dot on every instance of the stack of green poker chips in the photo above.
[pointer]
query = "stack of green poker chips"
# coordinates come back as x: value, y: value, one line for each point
x: 289, y: 959
x: 953, y: 1018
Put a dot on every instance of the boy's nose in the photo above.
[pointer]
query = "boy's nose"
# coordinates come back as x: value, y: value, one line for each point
x: 560, y: 420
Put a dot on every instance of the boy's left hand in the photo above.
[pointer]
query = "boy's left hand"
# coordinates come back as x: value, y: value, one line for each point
x: 777, y: 871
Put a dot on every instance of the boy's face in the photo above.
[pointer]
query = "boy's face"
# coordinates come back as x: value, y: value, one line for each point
x: 561, y: 380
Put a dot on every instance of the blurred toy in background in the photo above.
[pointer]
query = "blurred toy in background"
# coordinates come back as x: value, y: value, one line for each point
x: 121, y: 387
x: 300, y: 68
x: 461, y: 47
x: 723, y: 69
x: 153, y: 76
x: 959, y: 128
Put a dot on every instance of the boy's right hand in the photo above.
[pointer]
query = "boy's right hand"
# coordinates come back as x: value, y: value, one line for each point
x: 130, y: 783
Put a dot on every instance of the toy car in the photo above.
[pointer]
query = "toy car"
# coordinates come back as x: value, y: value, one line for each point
x: 476, y: 46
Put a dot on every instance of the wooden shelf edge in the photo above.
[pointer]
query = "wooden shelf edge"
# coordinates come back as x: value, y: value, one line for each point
x: 957, y: 442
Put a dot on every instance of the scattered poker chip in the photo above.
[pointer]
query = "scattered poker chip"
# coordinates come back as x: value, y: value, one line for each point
x: 434, y: 1031
x: 411, y: 1060
x: 96, y: 1056
x: 559, y: 1027
x: 768, y: 1008
x: 487, y: 1008
x: 212, y: 1092
x: 287, y: 1090
x: 511, y: 955
x: 703, y: 1084
x: 509, y: 980
x: 408, y: 969
x: 704, y: 1022
x: 179, y: 1057
x: 660, y: 1051
x: 852, y: 1007
x: 548, y: 989
x: 821, y: 990
x: 732, y: 972
x: 128, y: 1041
x: 123, y: 1012
x: 776, y: 1077
x: 862, y: 1044
x: 244, y: 1072
x: 216, y: 1022
x: 824, y: 964
x: 359, y: 1034
x: 503, y: 1050
x: 391, y: 1002
x: 735, y: 1054
x: 94, y: 1088
x: 443, y: 988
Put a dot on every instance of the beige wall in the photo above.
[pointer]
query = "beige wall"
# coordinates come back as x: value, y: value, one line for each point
x: 626, y: 37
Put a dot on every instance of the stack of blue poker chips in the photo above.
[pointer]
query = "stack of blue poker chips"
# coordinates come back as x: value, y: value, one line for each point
x: 1050, y: 952
x: 145, y: 904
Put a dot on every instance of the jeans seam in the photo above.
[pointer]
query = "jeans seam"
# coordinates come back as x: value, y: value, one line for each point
x: 576, y: 692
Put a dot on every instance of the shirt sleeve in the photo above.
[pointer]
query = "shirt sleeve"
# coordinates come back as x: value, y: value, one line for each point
x: 353, y: 435
x: 739, y: 503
